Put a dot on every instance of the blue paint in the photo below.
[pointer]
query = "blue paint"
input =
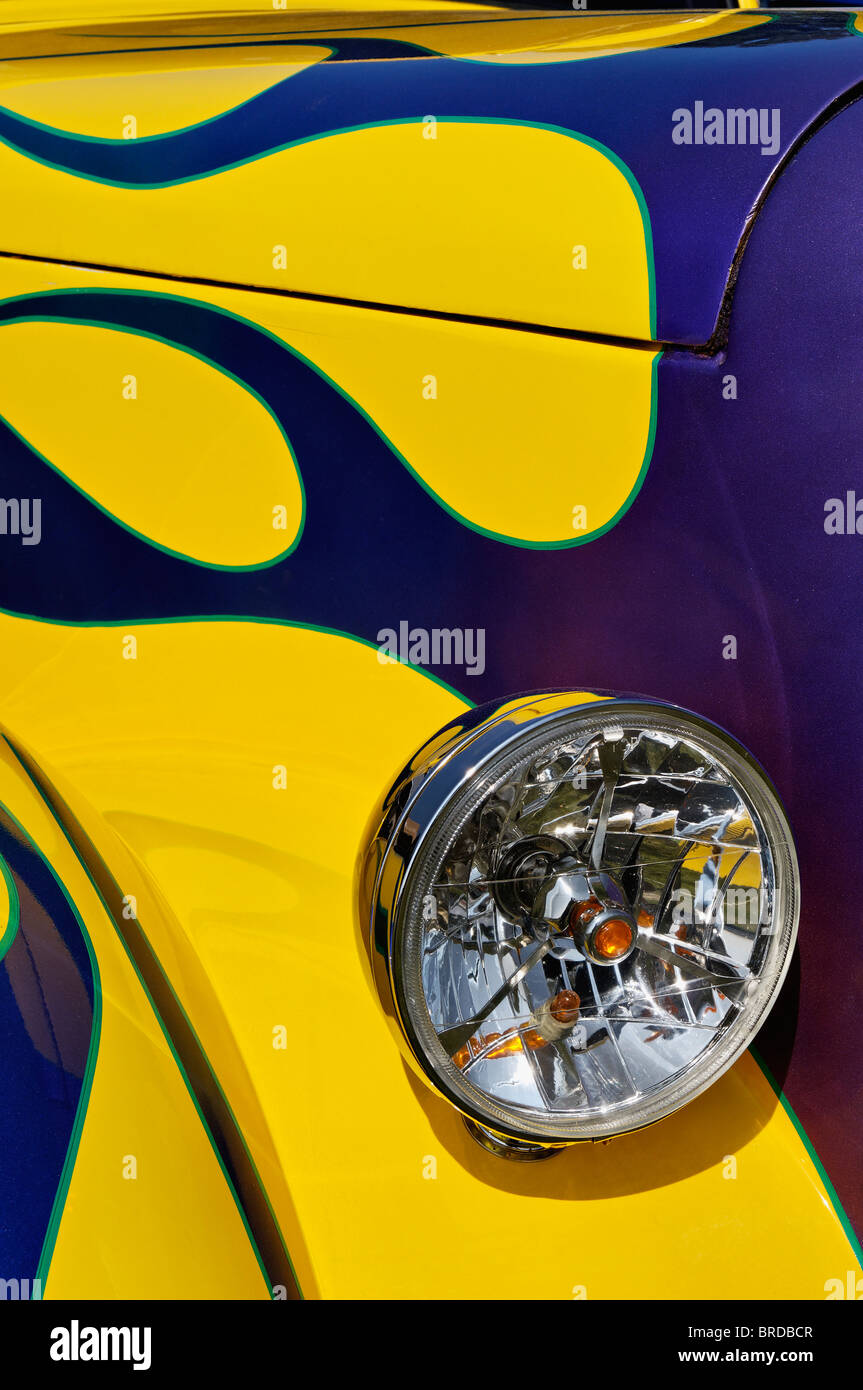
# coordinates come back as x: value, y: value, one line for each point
x: 45, y: 1031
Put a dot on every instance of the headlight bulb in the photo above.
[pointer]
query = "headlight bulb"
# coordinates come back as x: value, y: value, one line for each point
x: 580, y: 910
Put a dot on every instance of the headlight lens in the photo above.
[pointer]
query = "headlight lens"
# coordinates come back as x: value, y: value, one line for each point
x: 585, y: 913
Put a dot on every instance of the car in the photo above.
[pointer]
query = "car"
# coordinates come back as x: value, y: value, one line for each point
x: 430, y: 661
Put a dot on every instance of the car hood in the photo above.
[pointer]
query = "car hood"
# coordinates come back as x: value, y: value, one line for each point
x: 591, y: 173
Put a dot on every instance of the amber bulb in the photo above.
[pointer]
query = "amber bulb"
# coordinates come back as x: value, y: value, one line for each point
x: 565, y: 1006
x: 582, y: 914
x: 612, y: 939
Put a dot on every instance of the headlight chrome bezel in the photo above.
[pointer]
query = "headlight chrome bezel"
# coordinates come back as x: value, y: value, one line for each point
x: 456, y: 769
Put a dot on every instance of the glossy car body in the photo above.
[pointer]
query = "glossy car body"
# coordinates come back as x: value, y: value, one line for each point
x: 315, y: 325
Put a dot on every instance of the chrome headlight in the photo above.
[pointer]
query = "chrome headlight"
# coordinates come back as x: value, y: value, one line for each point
x: 580, y: 910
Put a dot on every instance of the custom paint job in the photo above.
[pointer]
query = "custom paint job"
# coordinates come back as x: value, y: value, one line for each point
x: 332, y: 162
x: 91, y: 1086
x: 240, y: 488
